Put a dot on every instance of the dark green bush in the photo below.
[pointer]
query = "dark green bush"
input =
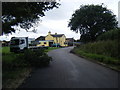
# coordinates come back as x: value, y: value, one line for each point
x: 108, y: 48
x: 110, y: 35
x: 29, y: 58
x: 36, y: 58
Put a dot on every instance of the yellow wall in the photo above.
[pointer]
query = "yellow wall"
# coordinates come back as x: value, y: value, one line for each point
x: 63, y: 40
x: 42, y: 43
x: 59, y: 40
x: 49, y: 37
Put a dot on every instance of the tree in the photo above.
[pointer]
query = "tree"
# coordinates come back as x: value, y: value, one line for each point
x: 23, y: 14
x: 91, y: 21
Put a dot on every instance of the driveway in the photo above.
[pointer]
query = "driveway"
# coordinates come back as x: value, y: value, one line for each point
x: 70, y: 71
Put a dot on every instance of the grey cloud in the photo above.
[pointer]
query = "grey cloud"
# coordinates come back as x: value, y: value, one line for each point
x: 63, y: 12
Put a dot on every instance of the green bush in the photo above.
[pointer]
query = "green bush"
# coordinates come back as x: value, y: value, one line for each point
x: 110, y: 35
x: 15, y: 65
x: 35, y: 58
x: 29, y: 58
x: 107, y: 48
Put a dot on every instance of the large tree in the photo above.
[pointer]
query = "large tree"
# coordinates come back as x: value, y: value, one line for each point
x: 23, y: 14
x: 91, y: 21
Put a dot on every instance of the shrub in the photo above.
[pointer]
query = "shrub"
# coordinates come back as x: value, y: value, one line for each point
x: 110, y: 35
x: 107, y: 48
x: 29, y: 58
x: 35, y: 58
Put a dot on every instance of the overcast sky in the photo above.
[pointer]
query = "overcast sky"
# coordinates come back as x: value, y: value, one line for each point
x: 56, y: 20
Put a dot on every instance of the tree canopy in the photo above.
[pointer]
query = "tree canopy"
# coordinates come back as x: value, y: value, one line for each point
x: 23, y: 14
x: 91, y: 21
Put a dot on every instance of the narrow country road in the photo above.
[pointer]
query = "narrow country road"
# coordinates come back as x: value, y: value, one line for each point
x: 70, y: 71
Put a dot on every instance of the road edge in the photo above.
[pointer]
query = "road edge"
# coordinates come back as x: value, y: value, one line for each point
x: 94, y: 61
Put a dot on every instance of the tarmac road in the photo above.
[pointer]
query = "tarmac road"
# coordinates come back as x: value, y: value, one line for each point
x: 70, y: 71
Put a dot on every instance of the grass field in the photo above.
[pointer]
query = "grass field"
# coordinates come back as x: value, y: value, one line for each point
x: 7, y: 55
x: 6, y: 50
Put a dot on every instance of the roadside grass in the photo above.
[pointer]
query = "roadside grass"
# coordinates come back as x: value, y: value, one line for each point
x: 15, y: 69
x: 106, y: 49
x: 111, y: 62
x: 5, y: 50
x: 11, y: 77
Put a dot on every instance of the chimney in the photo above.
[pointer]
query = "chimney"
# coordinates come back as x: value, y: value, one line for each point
x: 49, y: 33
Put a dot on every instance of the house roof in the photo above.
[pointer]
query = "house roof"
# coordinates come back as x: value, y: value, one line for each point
x: 57, y: 35
x: 41, y: 38
x: 69, y: 38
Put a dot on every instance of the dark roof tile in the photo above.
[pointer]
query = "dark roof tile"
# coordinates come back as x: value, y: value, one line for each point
x: 58, y: 35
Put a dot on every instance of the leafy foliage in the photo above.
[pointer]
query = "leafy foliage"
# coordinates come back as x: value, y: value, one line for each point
x: 36, y: 58
x: 15, y: 67
x: 110, y: 35
x: 23, y: 14
x: 108, y: 48
x: 92, y: 21
x: 29, y: 58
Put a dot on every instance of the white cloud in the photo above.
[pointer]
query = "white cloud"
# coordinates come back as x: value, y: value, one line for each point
x: 59, y: 26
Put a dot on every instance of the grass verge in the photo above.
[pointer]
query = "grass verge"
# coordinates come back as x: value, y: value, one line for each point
x: 15, y: 69
x: 12, y: 77
x: 110, y: 62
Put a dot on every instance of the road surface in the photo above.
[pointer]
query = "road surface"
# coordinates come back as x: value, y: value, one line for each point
x: 70, y: 71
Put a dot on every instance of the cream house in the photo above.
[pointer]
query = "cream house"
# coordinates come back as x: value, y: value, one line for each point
x: 57, y: 38
x: 53, y: 39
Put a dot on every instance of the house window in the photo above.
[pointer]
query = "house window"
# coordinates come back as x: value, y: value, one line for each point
x: 44, y: 42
